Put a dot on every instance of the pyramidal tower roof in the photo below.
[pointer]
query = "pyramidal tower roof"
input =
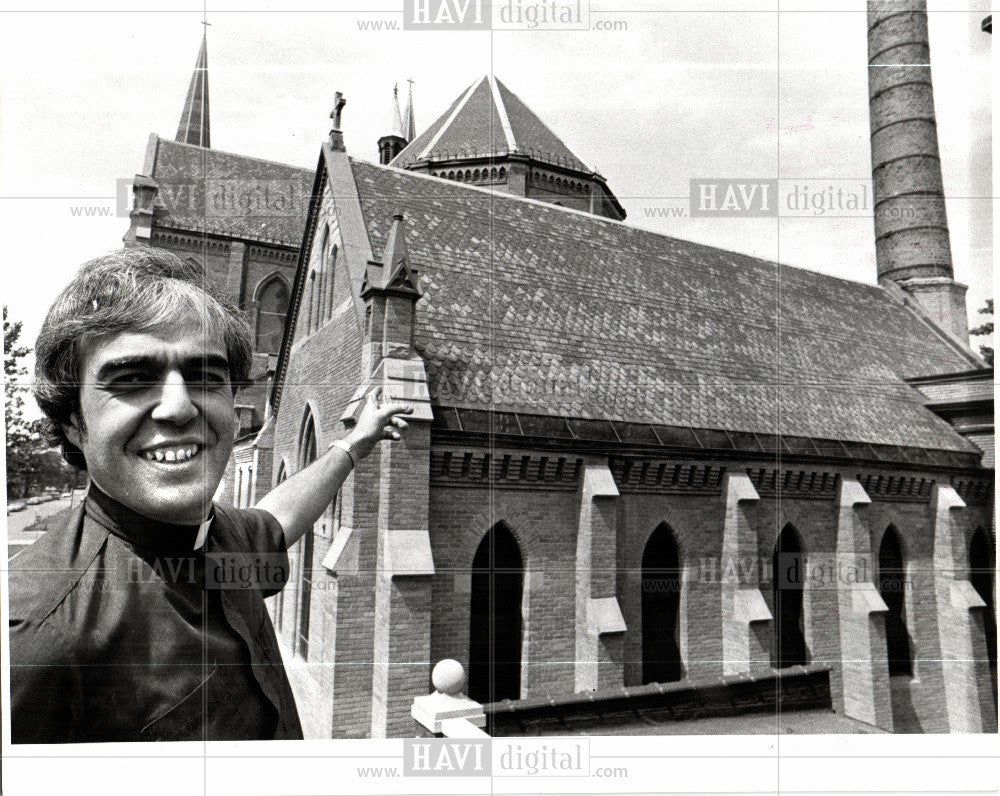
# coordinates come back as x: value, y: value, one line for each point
x: 194, y: 126
x: 489, y: 138
x: 489, y: 119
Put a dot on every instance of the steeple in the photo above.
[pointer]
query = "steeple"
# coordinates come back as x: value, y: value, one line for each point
x: 393, y: 142
x: 409, y: 125
x: 193, y: 128
x: 395, y: 118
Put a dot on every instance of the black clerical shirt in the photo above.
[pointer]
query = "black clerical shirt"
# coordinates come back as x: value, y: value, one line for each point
x: 121, y: 631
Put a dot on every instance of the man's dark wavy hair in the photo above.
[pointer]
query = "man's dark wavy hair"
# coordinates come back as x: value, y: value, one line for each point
x: 138, y: 289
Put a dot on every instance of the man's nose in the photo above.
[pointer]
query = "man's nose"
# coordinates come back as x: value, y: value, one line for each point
x: 174, y: 404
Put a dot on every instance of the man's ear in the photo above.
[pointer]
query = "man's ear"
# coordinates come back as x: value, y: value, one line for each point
x: 72, y: 431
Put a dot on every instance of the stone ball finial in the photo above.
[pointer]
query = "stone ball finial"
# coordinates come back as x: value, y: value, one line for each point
x: 448, y: 676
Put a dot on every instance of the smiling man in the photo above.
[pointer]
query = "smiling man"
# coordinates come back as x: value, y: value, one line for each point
x: 120, y: 627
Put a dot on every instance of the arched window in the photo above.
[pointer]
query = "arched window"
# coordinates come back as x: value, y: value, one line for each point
x: 279, y: 598
x: 331, y: 270
x: 892, y: 588
x: 788, y: 579
x: 307, y: 455
x: 495, y: 623
x: 981, y: 571
x: 661, y: 601
x: 272, y: 307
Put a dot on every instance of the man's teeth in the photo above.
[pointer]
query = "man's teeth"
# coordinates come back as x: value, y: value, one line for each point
x: 175, y: 454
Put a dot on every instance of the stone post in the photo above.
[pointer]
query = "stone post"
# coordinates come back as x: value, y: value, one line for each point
x: 864, y: 690
x: 600, y: 626
x: 747, y: 624
x: 967, y: 680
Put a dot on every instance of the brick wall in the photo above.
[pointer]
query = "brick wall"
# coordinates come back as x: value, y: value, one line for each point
x: 544, y: 524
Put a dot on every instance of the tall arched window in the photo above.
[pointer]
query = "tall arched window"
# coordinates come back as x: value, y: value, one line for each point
x: 272, y: 307
x: 981, y: 571
x: 495, y: 625
x: 788, y: 579
x: 892, y: 587
x: 238, y: 492
x: 279, y: 598
x: 661, y: 601
x: 331, y: 270
x: 307, y: 455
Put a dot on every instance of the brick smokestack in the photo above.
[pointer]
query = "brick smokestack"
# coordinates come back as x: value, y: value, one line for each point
x: 911, y: 228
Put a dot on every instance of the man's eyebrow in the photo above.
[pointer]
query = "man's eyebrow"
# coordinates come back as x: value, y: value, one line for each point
x: 155, y: 363
x: 138, y: 362
x: 206, y: 361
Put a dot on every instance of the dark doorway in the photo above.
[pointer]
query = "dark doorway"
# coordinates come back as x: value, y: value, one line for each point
x: 661, y: 602
x: 892, y: 587
x: 495, y: 622
x: 981, y: 569
x: 788, y: 579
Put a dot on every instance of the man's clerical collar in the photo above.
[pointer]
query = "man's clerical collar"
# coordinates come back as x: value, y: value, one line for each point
x: 141, y: 531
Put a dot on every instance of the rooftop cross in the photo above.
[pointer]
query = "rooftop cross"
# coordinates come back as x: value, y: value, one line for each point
x: 338, y: 106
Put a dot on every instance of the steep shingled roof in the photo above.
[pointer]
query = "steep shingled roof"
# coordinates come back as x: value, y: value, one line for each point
x: 488, y: 118
x: 207, y: 190
x: 533, y: 308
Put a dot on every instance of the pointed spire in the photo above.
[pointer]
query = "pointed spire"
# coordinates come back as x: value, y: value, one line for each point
x: 194, y: 127
x: 395, y: 118
x: 409, y: 125
x: 395, y: 258
x: 394, y: 273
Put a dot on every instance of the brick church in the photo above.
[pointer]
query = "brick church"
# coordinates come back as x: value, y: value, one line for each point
x: 635, y: 461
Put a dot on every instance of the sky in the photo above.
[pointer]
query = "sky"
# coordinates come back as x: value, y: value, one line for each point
x: 675, y: 91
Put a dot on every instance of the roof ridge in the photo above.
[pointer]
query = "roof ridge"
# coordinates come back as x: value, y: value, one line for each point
x: 454, y: 114
x: 506, y: 195
x: 583, y: 166
x: 508, y: 131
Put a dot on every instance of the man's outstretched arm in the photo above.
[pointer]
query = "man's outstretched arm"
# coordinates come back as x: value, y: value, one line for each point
x: 298, y: 502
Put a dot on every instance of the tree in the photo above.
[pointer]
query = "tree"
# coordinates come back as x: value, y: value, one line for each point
x: 986, y: 328
x: 31, y: 463
x: 24, y: 438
